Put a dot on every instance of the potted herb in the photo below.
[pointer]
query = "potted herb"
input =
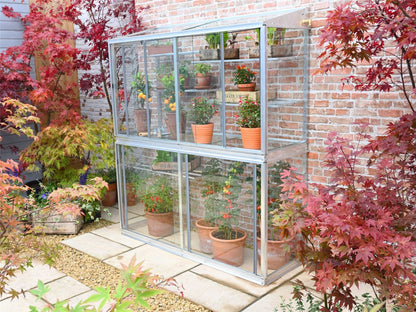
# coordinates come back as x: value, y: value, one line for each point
x: 231, y: 52
x: 143, y: 89
x: 203, y: 75
x: 168, y: 82
x: 212, y: 52
x: 158, y: 197
x: 277, y: 43
x: 249, y: 118
x: 244, y: 78
x: 201, y: 111
x: 228, y: 241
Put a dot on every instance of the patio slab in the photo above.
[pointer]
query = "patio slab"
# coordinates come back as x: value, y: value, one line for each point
x: 64, y: 288
x: 96, y: 246
x: 157, y: 260
x: 212, y: 295
x: 113, y: 233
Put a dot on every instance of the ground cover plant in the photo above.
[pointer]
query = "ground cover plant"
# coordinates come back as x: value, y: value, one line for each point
x: 360, y: 227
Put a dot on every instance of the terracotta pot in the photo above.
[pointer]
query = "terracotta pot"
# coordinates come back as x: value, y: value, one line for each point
x: 160, y: 224
x: 141, y: 119
x: 132, y: 198
x: 203, y: 82
x: 110, y: 196
x: 246, y: 86
x: 229, y: 251
x: 171, y: 124
x: 276, y: 255
x: 203, y: 133
x: 251, y: 137
x: 203, y: 232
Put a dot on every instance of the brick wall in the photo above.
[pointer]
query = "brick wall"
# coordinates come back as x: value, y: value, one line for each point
x: 332, y: 107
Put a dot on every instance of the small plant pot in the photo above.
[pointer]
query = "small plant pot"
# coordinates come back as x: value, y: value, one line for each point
x: 251, y: 137
x: 110, y: 196
x: 203, y: 82
x: 276, y: 255
x: 141, y: 120
x: 132, y: 198
x: 209, y: 54
x: 230, y: 251
x: 204, y: 229
x: 247, y: 86
x: 160, y: 224
x: 230, y: 53
x: 203, y: 133
x: 171, y: 124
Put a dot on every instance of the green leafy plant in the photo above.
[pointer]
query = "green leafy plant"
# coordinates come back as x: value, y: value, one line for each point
x: 168, y: 82
x: 213, y: 182
x: 143, y: 88
x: 159, y: 196
x: 214, y: 40
x: 243, y: 75
x: 202, y: 109
x: 137, y: 285
x: 184, y: 69
x: 276, y: 36
x: 248, y: 113
x: 202, y: 68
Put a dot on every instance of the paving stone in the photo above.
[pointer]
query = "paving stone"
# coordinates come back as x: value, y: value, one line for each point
x: 272, y: 300
x: 28, y: 279
x: 157, y: 260
x: 113, y: 232
x: 232, y: 281
x: 95, y: 246
x: 212, y: 295
x: 21, y: 304
x: 64, y: 288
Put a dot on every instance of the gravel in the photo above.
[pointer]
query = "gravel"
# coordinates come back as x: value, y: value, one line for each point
x: 94, y: 273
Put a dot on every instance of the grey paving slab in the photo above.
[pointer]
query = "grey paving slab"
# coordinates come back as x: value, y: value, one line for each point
x: 157, y: 260
x: 28, y: 279
x: 113, y: 214
x: 232, y: 281
x: 21, y: 304
x: 64, y: 288
x: 113, y: 232
x: 272, y: 300
x: 212, y: 295
x: 95, y: 246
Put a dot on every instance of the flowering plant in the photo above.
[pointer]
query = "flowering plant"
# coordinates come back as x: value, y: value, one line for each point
x: 221, y: 191
x: 248, y: 113
x: 168, y: 82
x: 159, y: 196
x: 202, y: 110
x: 140, y: 85
x: 243, y: 75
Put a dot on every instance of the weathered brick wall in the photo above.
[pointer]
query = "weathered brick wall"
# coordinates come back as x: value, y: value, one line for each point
x: 332, y: 107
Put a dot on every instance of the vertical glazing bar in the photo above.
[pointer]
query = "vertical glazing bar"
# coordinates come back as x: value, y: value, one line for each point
x: 148, y: 116
x: 123, y: 57
x: 112, y: 66
x: 188, y: 206
x: 222, y: 84
x: 255, y: 218
x: 263, y: 88
x: 121, y: 187
x: 305, y: 98
x: 264, y: 142
x: 177, y: 87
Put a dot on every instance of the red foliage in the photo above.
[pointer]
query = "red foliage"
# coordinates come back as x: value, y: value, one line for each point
x: 382, y: 33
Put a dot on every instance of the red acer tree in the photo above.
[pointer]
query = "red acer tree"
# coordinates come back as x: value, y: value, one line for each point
x: 360, y: 228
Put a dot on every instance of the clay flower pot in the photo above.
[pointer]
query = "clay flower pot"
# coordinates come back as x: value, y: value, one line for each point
x: 171, y: 124
x: 251, y: 137
x: 132, y: 198
x: 110, y: 196
x: 203, y: 133
x: 141, y: 120
x: 160, y: 224
x: 276, y: 255
x: 247, y: 86
x: 204, y: 229
x: 230, y: 251
x: 203, y: 82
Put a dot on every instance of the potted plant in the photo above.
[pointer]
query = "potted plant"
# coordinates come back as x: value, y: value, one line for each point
x: 231, y: 52
x: 201, y: 111
x: 277, y: 254
x: 203, y: 75
x: 213, y: 181
x: 277, y: 43
x: 143, y: 89
x: 134, y: 180
x: 248, y: 118
x: 158, y: 197
x: 228, y: 241
x: 185, y: 74
x: 212, y: 52
x: 168, y: 161
x: 168, y: 82
x: 108, y: 174
x: 160, y: 48
x: 244, y: 78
